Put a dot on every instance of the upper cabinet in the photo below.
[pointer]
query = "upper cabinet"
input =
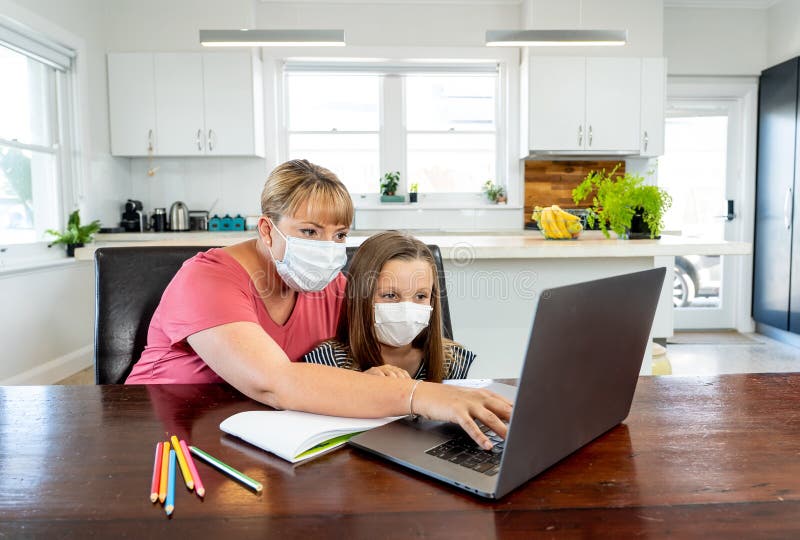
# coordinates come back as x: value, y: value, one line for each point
x: 185, y: 104
x: 594, y: 105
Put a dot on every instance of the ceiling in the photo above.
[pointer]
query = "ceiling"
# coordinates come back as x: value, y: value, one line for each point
x: 745, y: 4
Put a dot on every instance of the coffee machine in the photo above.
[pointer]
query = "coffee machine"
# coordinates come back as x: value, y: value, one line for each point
x: 133, y: 219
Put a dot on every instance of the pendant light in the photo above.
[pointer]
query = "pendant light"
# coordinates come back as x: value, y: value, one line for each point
x: 576, y: 37
x: 272, y: 38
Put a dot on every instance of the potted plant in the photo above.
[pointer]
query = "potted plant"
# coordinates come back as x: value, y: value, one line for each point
x: 75, y: 235
x: 389, y: 182
x: 412, y: 192
x: 495, y: 193
x: 623, y: 204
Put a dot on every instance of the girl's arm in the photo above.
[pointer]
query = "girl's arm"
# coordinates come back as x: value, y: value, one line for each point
x: 250, y: 360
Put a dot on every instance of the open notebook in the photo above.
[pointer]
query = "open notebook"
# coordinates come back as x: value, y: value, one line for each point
x: 297, y: 436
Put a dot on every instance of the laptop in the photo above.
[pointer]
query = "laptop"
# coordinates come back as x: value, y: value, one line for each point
x: 583, y: 360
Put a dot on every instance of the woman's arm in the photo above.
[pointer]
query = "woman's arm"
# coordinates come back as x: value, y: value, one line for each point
x: 250, y: 360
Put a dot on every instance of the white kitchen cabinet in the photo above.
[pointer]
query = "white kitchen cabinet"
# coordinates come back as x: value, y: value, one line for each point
x: 654, y: 98
x: 180, y: 122
x: 132, y: 103
x: 202, y: 104
x: 580, y: 105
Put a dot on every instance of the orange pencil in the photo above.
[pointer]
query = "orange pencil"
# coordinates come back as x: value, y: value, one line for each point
x: 162, y: 490
x: 198, y: 484
x: 187, y: 475
x: 156, y: 474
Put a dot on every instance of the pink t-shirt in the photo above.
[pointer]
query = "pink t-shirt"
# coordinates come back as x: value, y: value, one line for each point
x: 212, y: 289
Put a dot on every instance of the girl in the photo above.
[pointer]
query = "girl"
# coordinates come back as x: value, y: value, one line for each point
x: 391, y: 319
x: 246, y: 313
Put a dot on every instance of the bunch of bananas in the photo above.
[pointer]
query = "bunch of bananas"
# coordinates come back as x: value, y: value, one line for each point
x: 556, y: 223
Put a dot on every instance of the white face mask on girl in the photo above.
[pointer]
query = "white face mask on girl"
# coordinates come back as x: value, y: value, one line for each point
x: 309, y: 265
x: 398, y: 323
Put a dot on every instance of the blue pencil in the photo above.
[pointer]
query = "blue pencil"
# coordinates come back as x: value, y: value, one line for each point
x: 169, y: 505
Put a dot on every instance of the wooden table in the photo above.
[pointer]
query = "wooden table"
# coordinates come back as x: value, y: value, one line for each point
x: 697, y: 457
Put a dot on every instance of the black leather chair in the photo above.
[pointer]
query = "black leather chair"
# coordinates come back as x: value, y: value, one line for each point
x: 129, y: 282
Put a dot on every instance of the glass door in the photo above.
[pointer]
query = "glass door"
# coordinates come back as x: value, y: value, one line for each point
x: 699, y: 170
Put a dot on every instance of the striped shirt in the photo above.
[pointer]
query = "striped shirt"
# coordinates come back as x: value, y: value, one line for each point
x: 335, y: 354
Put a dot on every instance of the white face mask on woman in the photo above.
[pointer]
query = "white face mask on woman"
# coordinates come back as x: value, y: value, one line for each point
x: 398, y: 323
x: 309, y: 265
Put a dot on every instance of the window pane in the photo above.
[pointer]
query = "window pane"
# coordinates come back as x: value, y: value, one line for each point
x: 28, y: 195
x: 444, y: 102
x: 26, y: 99
x: 353, y: 158
x: 451, y: 161
x: 328, y: 101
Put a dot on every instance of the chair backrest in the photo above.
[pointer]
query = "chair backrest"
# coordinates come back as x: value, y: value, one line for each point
x: 129, y: 282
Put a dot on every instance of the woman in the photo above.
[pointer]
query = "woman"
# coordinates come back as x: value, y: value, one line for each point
x: 391, y: 319
x: 244, y: 314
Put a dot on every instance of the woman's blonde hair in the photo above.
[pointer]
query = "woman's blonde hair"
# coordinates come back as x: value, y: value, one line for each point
x: 357, y: 320
x: 298, y: 183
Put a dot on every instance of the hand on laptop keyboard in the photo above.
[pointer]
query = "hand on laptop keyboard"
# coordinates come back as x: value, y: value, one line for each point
x: 465, y: 407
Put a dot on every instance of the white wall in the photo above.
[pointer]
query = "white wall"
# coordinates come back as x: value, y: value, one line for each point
x: 783, y: 38
x: 715, y: 41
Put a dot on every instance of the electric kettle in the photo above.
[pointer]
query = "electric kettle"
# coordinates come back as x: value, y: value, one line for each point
x: 178, y: 217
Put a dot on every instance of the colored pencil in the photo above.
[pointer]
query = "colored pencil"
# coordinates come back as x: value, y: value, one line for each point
x: 170, y: 504
x: 187, y: 475
x: 227, y: 469
x: 162, y: 491
x: 154, y: 486
x: 198, y: 484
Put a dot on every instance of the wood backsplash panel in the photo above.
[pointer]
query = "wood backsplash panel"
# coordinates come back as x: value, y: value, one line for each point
x: 552, y: 182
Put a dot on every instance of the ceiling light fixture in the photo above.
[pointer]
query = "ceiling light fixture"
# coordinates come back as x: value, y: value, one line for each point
x: 575, y: 37
x: 555, y: 38
x: 272, y: 38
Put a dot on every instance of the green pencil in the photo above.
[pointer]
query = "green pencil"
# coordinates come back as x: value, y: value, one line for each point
x: 227, y: 469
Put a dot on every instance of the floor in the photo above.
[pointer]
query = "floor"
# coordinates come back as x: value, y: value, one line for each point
x: 688, y: 353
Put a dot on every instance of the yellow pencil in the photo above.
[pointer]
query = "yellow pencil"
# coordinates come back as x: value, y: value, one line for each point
x: 162, y: 488
x: 187, y: 475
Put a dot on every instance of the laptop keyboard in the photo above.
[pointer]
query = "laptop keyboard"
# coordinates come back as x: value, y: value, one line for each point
x: 463, y: 451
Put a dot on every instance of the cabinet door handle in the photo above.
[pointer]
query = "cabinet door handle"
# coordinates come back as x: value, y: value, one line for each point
x: 787, y: 209
x: 580, y: 135
x: 590, y: 135
x: 211, y: 140
x: 646, y: 140
x: 150, y: 140
x: 199, y: 141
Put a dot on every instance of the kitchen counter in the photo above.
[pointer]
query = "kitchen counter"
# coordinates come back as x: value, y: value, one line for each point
x: 461, y: 245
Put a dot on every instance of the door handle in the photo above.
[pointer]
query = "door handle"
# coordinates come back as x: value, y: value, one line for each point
x: 646, y: 141
x: 590, y: 135
x: 787, y: 209
x: 199, y: 141
x: 580, y: 135
x: 150, y: 140
x: 211, y: 140
x: 731, y: 215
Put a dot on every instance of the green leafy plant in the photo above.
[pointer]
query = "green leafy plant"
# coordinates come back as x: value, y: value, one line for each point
x: 494, y: 192
x: 617, y: 200
x: 389, y: 182
x: 75, y: 233
x: 413, y: 188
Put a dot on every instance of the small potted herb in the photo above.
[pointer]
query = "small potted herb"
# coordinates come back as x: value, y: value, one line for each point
x: 623, y: 204
x: 389, y: 183
x: 412, y: 192
x: 494, y: 192
x: 75, y: 235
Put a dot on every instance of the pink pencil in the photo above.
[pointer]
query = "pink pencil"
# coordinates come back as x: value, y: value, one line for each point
x: 198, y: 484
x: 156, y: 474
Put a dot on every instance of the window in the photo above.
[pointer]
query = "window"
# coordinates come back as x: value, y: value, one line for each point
x: 436, y: 125
x: 30, y: 146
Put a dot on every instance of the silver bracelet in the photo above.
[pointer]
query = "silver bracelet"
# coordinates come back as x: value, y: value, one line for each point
x: 411, y: 401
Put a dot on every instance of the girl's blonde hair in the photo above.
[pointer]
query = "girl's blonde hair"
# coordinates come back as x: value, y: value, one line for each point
x: 357, y: 320
x: 300, y: 183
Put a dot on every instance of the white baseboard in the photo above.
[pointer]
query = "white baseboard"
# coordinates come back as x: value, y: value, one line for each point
x: 55, y: 370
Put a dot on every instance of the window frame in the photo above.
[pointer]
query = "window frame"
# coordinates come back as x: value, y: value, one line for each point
x: 508, y: 168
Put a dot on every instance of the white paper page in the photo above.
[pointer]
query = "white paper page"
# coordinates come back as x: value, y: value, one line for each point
x: 468, y: 383
x: 289, y: 433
